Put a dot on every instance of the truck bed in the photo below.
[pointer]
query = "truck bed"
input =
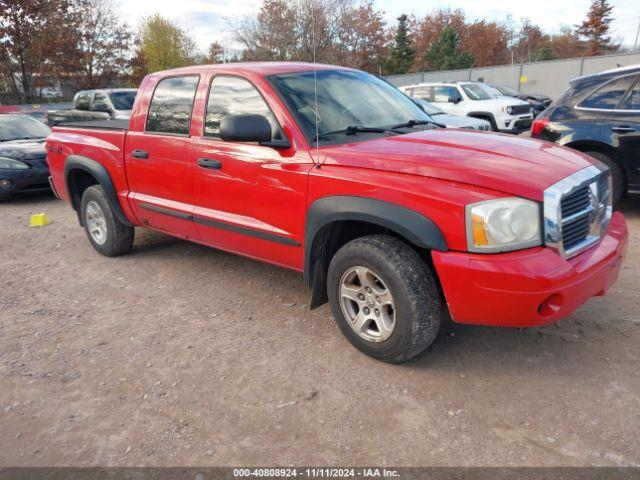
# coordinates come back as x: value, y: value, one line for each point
x: 117, y: 124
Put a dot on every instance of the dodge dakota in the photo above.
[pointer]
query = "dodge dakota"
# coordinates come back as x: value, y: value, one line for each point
x: 336, y: 174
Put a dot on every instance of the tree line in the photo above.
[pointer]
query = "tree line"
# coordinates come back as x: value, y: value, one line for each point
x: 87, y: 45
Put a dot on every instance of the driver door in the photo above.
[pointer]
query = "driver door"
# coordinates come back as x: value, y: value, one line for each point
x: 249, y: 199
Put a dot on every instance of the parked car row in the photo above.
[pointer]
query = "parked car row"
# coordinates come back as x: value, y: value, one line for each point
x: 600, y: 115
x: 23, y: 165
x: 477, y: 100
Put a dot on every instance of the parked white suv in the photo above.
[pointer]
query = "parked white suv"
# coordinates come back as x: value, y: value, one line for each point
x: 474, y: 99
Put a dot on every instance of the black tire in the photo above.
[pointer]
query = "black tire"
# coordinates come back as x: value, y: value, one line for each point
x: 417, y: 300
x: 618, y: 179
x: 119, y: 237
x: 494, y: 127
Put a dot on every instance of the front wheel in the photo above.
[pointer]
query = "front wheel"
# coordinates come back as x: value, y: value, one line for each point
x: 384, y: 297
x: 106, y: 233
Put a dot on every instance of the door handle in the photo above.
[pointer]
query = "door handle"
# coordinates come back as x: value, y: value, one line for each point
x: 140, y: 154
x: 623, y: 129
x: 209, y: 163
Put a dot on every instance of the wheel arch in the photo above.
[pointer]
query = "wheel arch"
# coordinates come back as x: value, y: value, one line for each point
x: 82, y: 172
x: 333, y: 221
x: 604, y: 148
x: 485, y: 116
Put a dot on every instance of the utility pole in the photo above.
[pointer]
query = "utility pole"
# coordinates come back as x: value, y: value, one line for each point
x: 637, y: 33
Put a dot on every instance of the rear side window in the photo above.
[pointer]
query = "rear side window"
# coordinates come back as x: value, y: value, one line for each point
x: 608, y: 96
x: 171, y: 105
x: 632, y: 102
x: 235, y: 96
x: 423, y: 93
x: 82, y: 103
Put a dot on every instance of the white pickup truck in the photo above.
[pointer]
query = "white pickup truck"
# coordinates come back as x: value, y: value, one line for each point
x: 474, y: 99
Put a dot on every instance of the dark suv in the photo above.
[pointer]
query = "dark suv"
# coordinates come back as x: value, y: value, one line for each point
x: 600, y: 115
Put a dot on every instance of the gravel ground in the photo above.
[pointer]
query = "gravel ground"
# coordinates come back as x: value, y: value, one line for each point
x: 181, y: 355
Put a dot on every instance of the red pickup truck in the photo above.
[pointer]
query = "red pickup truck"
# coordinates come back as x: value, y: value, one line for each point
x: 334, y: 173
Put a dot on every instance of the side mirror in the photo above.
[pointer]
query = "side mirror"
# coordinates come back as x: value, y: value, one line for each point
x: 249, y: 128
x: 454, y: 99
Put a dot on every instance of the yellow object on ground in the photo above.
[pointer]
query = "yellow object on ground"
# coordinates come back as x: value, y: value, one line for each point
x: 40, y: 220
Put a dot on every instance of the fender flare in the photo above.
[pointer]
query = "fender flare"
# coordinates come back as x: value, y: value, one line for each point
x: 492, y: 118
x: 95, y: 169
x: 413, y: 226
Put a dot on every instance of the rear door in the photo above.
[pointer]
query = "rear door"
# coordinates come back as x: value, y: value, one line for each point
x: 249, y: 199
x: 158, y: 159
x: 621, y: 129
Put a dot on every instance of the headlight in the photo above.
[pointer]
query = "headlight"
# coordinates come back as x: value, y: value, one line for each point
x: 11, y: 164
x: 510, y: 110
x: 502, y: 225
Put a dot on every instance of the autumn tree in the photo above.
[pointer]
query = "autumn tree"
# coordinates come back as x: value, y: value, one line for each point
x: 444, y: 53
x: 402, y: 54
x: 35, y: 35
x: 595, y: 28
x: 487, y: 41
x: 102, y: 44
x: 161, y: 45
x: 330, y: 31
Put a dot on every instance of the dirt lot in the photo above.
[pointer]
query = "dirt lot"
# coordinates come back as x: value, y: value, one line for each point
x: 181, y: 355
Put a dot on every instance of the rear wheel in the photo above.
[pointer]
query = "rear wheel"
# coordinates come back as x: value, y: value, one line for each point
x: 106, y: 233
x: 618, y: 179
x: 384, y: 297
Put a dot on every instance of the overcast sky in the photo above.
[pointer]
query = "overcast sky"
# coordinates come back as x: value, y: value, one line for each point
x: 209, y: 20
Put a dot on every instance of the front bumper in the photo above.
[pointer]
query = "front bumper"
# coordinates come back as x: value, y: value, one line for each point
x: 517, y: 126
x: 529, y: 287
x: 32, y: 179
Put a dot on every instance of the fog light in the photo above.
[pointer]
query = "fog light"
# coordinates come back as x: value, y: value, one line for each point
x: 507, y: 123
x: 5, y: 184
x: 551, y: 305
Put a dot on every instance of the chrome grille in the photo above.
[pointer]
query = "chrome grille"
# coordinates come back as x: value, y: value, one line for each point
x: 577, y: 211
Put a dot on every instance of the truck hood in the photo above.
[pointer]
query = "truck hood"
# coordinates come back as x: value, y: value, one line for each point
x: 501, y: 101
x: 506, y: 163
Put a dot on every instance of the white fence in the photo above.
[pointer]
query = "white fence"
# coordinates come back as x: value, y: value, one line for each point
x: 550, y: 78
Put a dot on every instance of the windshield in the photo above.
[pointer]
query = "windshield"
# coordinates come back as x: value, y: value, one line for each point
x: 345, y: 98
x: 123, y: 100
x: 507, y: 91
x: 475, y: 91
x: 19, y: 127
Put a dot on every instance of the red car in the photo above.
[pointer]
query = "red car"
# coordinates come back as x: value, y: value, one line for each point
x: 336, y: 174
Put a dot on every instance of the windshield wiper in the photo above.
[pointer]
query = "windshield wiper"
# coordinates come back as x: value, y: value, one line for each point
x: 355, y: 129
x: 413, y: 123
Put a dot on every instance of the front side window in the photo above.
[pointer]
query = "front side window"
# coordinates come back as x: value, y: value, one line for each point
x: 632, y: 102
x: 235, y: 96
x: 171, y: 105
x: 609, y: 95
x: 100, y: 102
x: 345, y: 98
x: 442, y: 94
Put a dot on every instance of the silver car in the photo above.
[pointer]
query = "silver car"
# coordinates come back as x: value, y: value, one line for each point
x: 452, y: 121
